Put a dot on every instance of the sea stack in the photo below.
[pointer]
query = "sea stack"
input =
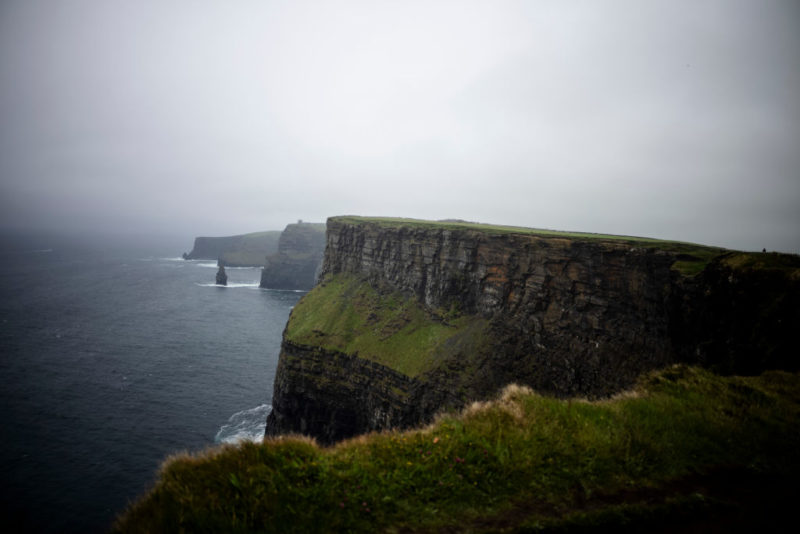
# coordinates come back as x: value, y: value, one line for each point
x: 222, y: 278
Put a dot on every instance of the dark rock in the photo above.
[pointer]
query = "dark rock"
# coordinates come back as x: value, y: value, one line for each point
x: 296, y: 264
x: 222, y: 277
x: 740, y: 319
x: 568, y: 316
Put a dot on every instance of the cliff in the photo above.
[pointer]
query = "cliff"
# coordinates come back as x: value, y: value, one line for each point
x: 247, y: 250
x: 296, y: 263
x: 412, y: 317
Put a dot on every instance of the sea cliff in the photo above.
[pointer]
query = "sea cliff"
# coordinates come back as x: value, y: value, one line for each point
x: 297, y: 261
x: 412, y: 317
x: 247, y: 250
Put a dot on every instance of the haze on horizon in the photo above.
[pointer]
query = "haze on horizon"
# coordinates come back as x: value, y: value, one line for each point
x: 669, y: 119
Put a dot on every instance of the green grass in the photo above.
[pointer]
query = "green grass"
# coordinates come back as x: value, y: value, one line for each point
x: 346, y: 314
x: 692, y: 257
x: 521, y: 463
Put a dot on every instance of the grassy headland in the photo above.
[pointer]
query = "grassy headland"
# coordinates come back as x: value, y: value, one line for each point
x: 686, y: 447
x: 251, y: 249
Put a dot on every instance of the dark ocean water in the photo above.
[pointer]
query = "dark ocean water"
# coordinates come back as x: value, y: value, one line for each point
x: 112, y: 359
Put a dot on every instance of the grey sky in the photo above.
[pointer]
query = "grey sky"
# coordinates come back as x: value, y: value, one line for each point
x: 674, y: 119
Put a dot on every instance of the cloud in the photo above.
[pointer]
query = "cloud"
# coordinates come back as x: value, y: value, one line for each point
x: 666, y: 119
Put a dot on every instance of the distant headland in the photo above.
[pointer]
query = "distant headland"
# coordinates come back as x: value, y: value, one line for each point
x: 291, y: 259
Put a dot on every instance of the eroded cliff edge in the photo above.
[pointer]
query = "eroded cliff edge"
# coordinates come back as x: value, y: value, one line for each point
x: 412, y: 317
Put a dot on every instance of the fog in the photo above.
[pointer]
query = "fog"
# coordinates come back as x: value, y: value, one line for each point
x: 670, y: 119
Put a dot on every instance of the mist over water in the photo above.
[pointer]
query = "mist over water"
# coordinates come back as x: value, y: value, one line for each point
x: 113, y: 358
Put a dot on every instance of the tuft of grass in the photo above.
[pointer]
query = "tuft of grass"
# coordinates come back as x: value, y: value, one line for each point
x: 346, y: 314
x: 684, y: 445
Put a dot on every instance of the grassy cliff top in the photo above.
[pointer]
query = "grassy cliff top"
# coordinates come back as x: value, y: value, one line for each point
x: 693, y: 257
x: 398, y: 222
x: 266, y: 233
x: 685, y: 449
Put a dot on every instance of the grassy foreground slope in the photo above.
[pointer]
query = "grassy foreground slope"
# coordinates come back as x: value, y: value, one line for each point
x: 686, y: 447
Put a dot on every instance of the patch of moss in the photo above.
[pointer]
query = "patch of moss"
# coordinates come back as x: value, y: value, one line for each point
x: 346, y: 314
x: 681, y: 445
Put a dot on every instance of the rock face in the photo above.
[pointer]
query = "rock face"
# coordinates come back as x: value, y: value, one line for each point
x: 247, y: 250
x: 222, y: 277
x: 740, y: 315
x: 296, y: 264
x: 567, y: 316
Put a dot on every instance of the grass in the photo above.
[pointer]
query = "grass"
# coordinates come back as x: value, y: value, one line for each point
x: 346, y: 314
x: 684, y: 445
x: 691, y: 258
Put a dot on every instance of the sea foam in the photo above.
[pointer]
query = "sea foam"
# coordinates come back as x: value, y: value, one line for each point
x: 247, y: 425
x: 230, y: 284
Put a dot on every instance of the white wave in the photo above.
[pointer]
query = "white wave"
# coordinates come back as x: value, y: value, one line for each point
x: 247, y: 425
x: 170, y: 260
x: 286, y: 290
x: 227, y: 267
x: 230, y: 284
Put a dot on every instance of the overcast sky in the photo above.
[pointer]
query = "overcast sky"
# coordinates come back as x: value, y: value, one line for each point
x: 671, y: 119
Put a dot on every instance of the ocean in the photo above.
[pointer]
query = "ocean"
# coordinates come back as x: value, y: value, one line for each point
x: 114, y: 356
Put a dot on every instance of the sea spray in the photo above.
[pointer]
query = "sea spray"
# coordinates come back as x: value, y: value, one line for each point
x: 247, y: 425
